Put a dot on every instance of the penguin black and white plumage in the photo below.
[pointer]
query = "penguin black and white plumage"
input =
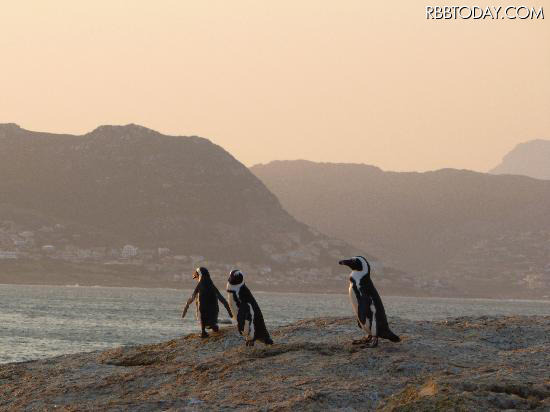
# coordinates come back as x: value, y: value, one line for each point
x: 246, y: 311
x: 206, y: 296
x: 367, y: 304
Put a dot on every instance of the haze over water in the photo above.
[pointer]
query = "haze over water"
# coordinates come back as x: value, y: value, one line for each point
x: 44, y: 321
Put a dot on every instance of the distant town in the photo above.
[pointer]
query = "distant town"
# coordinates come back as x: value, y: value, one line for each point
x: 57, y: 243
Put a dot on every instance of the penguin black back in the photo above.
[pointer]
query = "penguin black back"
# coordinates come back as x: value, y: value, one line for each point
x: 206, y: 295
x: 208, y: 301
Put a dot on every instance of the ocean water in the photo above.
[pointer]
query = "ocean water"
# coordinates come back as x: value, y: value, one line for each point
x: 44, y: 321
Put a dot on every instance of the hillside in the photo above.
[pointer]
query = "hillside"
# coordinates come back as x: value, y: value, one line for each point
x: 143, y: 187
x: 480, y: 234
x: 130, y: 195
x: 531, y: 158
x: 463, y: 364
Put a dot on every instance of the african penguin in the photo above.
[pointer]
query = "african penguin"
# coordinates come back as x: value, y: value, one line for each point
x: 366, y: 303
x: 246, y: 311
x: 206, y: 296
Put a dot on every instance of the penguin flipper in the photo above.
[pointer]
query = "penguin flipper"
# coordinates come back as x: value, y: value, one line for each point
x: 242, y: 316
x: 363, y: 312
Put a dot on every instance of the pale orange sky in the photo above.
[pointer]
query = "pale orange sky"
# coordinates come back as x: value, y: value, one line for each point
x: 325, y: 80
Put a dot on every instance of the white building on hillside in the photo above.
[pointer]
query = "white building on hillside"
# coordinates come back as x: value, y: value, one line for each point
x: 129, y: 251
x: 8, y: 255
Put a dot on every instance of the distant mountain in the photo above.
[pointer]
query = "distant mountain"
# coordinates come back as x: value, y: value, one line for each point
x: 531, y: 158
x: 481, y: 234
x: 123, y: 185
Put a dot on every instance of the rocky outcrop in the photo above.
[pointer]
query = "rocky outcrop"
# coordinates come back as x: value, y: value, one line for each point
x: 483, y: 363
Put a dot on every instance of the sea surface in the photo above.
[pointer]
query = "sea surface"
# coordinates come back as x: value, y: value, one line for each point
x: 44, y: 321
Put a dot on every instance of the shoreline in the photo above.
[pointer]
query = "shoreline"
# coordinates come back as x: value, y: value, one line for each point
x: 307, y: 290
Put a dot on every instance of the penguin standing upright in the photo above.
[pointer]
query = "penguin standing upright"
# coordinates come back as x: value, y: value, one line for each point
x: 367, y: 303
x: 206, y: 295
x: 246, y: 311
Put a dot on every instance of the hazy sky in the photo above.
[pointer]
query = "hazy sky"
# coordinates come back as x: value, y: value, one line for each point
x: 325, y: 80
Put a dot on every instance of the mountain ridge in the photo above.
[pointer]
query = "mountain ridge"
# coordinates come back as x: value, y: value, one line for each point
x: 447, y: 225
x: 172, y: 201
x: 531, y: 158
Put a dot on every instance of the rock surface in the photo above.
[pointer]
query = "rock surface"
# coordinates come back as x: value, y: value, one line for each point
x: 483, y: 363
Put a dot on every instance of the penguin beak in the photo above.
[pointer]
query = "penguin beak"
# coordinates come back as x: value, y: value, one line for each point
x: 195, y: 275
x: 345, y: 262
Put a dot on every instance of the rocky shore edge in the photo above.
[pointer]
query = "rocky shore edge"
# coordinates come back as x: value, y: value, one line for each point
x: 467, y: 363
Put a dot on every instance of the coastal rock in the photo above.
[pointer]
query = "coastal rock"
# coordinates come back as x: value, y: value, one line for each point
x: 484, y: 363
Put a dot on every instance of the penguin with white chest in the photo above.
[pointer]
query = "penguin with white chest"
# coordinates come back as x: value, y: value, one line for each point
x: 367, y: 304
x: 246, y: 311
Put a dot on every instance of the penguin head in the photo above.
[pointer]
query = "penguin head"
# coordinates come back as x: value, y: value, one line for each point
x: 356, y: 263
x: 236, y: 277
x: 200, y: 273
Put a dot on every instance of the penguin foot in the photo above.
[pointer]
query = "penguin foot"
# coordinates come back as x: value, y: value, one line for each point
x: 249, y: 343
x: 373, y: 343
x: 215, y: 328
x: 204, y: 335
x: 362, y: 341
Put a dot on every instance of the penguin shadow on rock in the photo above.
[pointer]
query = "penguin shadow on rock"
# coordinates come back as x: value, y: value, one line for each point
x: 246, y: 311
x: 367, y: 304
x: 206, y: 296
